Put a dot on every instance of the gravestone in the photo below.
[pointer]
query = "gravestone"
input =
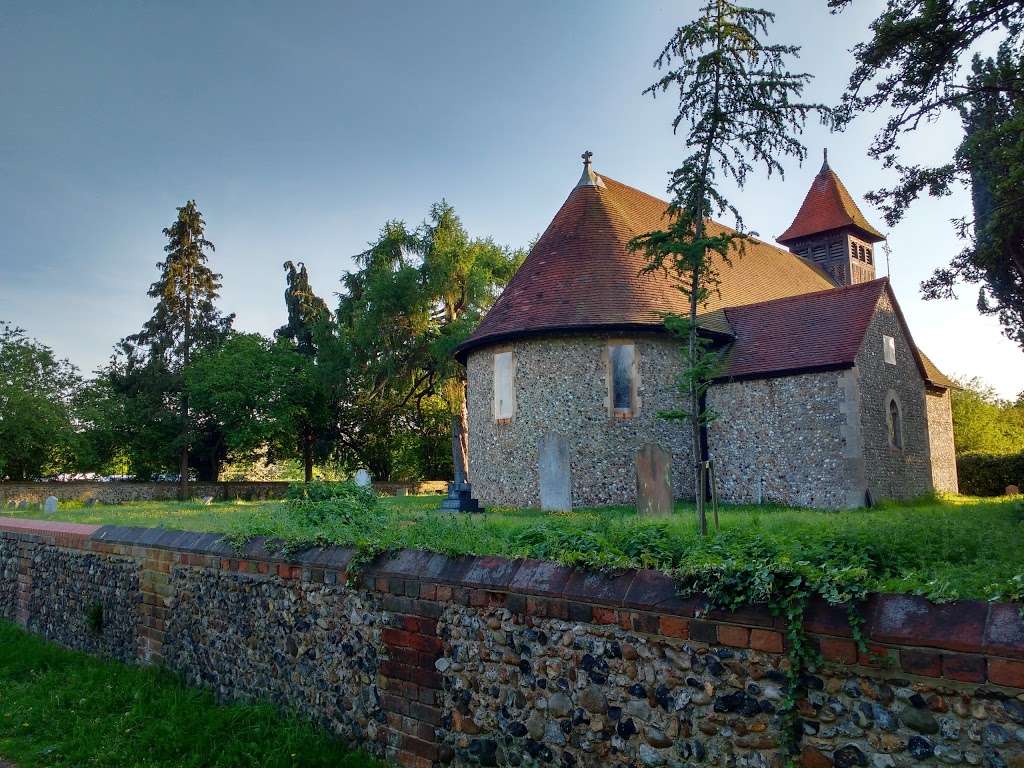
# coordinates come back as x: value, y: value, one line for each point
x: 91, y: 502
x: 1013, y: 490
x: 50, y: 505
x: 23, y: 504
x: 362, y: 478
x: 555, y: 475
x: 11, y: 503
x: 653, y: 481
x: 401, y: 491
x: 460, y: 492
x: 206, y: 501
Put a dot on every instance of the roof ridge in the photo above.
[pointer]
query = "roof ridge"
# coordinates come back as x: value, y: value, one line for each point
x: 878, y: 281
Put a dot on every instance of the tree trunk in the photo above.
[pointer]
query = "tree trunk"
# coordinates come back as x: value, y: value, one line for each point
x: 183, y: 475
x: 464, y: 434
x: 307, y: 456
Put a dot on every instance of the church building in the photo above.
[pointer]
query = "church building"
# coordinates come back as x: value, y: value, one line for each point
x: 823, y: 398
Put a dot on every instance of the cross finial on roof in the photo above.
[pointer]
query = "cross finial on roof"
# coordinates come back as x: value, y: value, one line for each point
x: 589, y: 178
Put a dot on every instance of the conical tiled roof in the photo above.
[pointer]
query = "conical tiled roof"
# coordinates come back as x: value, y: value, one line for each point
x: 828, y: 206
x: 581, y: 276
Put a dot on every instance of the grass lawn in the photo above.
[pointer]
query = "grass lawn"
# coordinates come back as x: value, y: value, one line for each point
x: 61, y: 708
x: 945, y: 549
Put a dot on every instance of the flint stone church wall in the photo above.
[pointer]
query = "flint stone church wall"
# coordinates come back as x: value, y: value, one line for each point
x: 428, y: 660
x: 788, y: 440
x: 940, y: 440
x: 893, y: 472
x: 561, y: 385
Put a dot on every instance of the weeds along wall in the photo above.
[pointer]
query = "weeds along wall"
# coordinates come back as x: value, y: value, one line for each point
x: 429, y: 660
x: 127, y: 492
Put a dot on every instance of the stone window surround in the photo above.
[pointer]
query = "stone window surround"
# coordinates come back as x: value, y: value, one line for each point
x: 634, y: 396
x: 892, y: 430
x: 889, y: 349
x: 502, y: 418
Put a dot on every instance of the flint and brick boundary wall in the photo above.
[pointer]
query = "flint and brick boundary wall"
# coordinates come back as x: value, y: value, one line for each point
x: 121, y: 492
x: 429, y: 660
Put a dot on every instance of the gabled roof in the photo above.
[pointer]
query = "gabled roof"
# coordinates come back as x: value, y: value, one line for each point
x: 815, y: 331
x: 581, y: 276
x: 828, y: 206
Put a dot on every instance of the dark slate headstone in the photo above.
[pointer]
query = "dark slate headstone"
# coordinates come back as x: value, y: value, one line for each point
x: 653, y: 481
x: 23, y: 504
x: 555, y: 477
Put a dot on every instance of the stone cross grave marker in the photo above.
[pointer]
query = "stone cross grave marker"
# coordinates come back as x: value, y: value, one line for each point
x: 555, y: 477
x: 362, y: 478
x: 653, y: 481
x: 50, y: 505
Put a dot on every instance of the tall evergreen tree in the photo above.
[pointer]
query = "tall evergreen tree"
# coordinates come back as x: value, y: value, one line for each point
x: 738, y: 104
x: 151, y: 364
x: 309, y: 320
x: 914, y: 67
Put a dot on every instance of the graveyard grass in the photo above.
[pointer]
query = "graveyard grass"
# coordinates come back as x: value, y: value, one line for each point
x: 944, y: 548
x: 63, y: 708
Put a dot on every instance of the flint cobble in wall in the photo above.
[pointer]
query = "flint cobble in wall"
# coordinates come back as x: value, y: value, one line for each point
x: 84, y: 601
x: 561, y: 385
x: 309, y: 647
x: 782, y: 440
x: 8, y: 578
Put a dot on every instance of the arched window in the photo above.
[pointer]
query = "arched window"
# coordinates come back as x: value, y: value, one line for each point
x: 895, y: 424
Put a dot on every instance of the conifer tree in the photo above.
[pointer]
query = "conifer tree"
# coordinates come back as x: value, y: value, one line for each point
x: 738, y: 107
x: 185, y: 321
x: 308, y: 320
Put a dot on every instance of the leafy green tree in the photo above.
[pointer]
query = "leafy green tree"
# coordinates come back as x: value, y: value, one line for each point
x: 252, y: 388
x: 984, y: 423
x: 149, y: 367
x: 417, y: 293
x: 103, y: 431
x: 913, y: 66
x: 309, y: 323
x: 37, y: 431
x: 739, y: 106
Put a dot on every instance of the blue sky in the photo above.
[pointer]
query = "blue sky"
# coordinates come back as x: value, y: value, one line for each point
x: 300, y: 128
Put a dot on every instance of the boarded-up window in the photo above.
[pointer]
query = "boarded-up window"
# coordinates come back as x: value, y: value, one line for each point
x: 622, y: 373
x: 889, y: 349
x: 504, y: 386
x: 895, y: 424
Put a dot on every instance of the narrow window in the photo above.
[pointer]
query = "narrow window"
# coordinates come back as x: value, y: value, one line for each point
x: 622, y: 362
x: 889, y: 349
x: 895, y: 424
x: 504, y: 386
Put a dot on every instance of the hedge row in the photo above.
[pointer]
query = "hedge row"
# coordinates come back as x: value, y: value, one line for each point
x: 981, y: 474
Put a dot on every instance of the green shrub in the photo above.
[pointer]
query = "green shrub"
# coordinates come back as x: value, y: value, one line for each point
x: 982, y: 474
x: 323, y: 490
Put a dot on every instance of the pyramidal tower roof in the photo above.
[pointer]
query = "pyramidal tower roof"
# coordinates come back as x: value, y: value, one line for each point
x: 581, y: 275
x: 828, y: 206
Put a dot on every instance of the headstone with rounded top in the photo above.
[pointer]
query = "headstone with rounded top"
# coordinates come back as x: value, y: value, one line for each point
x: 50, y: 505
x: 553, y: 466
x: 362, y: 478
x: 1013, y: 490
x: 653, y: 481
x: 91, y: 502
